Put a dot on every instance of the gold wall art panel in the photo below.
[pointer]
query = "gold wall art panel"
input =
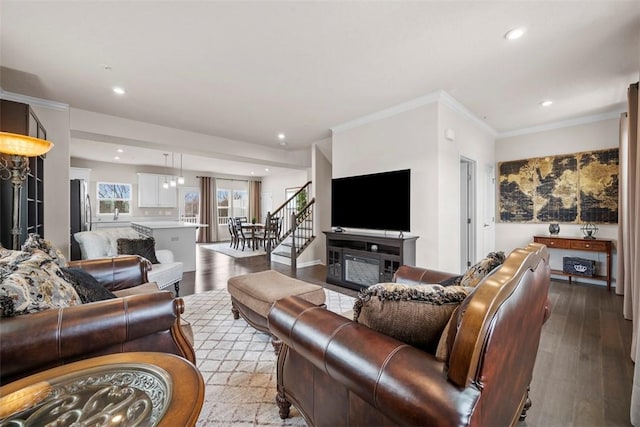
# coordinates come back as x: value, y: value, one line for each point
x: 570, y: 188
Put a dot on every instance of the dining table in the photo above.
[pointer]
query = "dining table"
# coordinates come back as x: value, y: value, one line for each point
x: 253, y: 227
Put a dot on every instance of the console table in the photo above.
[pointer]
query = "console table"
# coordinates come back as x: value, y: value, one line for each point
x: 576, y: 244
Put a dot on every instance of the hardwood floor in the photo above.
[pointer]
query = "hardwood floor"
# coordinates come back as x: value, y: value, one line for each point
x: 583, y: 372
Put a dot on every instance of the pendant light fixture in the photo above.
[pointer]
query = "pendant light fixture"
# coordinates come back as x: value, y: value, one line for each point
x: 181, y: 177
x: 165, y: 184
x: 172, y: 181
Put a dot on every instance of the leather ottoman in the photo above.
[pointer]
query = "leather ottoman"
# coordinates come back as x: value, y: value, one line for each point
x: 252, y: 296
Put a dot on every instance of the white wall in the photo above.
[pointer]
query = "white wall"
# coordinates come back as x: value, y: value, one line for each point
x: 316, y: 253
x: 56, y: 177
x: 587, y: 137
x: 123, y: 173
x: 403, y: 141
x: 276, y: 185
x: 105, y: 128
x: 475, y: 144
x: 127, y: 174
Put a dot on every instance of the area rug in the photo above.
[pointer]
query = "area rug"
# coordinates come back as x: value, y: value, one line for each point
x: 224, y: 248
x: 238, y: 363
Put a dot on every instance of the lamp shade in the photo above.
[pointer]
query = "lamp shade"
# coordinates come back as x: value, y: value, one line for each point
x: 22, y: 145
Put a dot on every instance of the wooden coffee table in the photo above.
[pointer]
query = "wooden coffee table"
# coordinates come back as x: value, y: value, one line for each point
x: 139, y: 388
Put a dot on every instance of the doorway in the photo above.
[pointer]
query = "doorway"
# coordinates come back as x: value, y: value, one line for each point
x: 467, y: 213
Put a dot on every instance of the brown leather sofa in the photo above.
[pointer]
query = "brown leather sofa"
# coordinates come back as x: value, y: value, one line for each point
x: 142, y: 318
x: 338, y: 372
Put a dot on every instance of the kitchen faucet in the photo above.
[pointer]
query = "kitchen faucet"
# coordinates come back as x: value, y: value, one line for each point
x: 115, y: 213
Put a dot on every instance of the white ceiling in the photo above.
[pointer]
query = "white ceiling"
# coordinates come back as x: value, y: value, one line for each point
x: 249, y: 70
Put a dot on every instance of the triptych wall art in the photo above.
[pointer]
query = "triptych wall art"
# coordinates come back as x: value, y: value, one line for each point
x: 571, y: 188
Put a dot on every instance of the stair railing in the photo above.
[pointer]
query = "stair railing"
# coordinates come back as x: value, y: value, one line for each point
x: 295, y: 204
x: 302, y: 231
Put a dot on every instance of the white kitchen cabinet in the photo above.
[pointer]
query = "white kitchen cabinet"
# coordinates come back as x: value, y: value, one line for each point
x: 151, y: 194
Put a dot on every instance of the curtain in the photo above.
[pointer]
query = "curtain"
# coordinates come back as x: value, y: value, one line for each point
x: 630, y: 243
x: 208, y: 210
x: 255, y: 188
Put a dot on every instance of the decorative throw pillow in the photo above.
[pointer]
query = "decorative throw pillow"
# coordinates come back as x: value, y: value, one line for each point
x: 477, y: 272
x: 146, y: 248
x: 451, y: 281
x: 9, y: 257
x: 35, y: 282
x: 415, y: 315
x: 86, y: 285
x: 7, y: 309
x: 34, y: 241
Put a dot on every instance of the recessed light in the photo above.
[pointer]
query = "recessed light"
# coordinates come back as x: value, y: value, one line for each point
x: 252, y: 173
x: 546, y: 103
x: 119, y: 90
x: 281, y: 136
x: 266, y: 169
x: 116, y: 158
x: 120, y: 150
x: 515, y: 33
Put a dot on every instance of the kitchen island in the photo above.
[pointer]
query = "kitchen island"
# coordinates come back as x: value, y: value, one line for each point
x: 178, y: 237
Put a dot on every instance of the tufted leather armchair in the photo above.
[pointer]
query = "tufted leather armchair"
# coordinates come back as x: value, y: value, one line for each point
x: 338, y: 372
x: 142, y: 318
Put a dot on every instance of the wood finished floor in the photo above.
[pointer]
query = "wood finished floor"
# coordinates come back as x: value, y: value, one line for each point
x: 583, y: 372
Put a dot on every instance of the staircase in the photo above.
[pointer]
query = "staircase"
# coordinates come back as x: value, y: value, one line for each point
x: 295, y: 219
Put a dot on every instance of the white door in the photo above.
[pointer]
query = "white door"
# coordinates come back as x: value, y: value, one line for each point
x: 467, y: 214
x: 489, y: 209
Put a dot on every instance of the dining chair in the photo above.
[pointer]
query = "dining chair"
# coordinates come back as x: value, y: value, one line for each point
x: 272, y: 232
x: 239, y: 233
x: 232, y: 233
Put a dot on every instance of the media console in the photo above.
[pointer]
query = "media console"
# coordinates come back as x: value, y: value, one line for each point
x: 359, y: 260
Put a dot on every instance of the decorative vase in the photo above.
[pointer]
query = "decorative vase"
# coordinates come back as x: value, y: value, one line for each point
x: 554, y: 228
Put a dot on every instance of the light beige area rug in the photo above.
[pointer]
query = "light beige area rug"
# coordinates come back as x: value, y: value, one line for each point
x: 224, y: 248
x: 238, y: 363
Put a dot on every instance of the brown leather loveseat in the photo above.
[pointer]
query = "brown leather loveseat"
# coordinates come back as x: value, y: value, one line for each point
x: 339, y: 372
x: 142, y: 318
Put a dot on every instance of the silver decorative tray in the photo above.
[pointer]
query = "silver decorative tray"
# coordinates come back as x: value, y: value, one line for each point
x: 127, y: 394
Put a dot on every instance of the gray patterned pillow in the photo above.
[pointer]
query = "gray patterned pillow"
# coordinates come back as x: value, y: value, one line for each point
x: 477, y: 272
x: 34, y: 282
x: 34, y: 241
x: 416, y: 315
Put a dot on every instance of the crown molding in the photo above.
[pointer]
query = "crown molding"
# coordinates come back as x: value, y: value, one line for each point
x: 39, y: 102
x: 562, y: 124
x: 431, y: 98
x: 388, y: 112
x: 458, y: 107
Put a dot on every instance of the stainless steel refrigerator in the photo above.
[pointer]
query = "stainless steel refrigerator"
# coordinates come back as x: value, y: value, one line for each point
x: 80, y: 213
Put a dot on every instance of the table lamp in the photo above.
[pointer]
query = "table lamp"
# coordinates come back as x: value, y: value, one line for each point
x: 14, y: 166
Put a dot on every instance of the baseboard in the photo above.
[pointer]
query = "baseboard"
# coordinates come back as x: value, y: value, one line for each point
x: 287, y: 261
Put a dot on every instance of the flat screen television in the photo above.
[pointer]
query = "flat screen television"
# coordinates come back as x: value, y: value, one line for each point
x: 380, y: 201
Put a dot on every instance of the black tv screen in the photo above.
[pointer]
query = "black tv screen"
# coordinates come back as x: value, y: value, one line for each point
x: 379, y: 201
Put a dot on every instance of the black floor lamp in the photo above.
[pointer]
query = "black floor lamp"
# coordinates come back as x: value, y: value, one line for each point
x: 14, y: 166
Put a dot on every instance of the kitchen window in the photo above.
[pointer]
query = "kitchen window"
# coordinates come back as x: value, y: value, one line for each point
x: 112, y: 196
